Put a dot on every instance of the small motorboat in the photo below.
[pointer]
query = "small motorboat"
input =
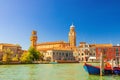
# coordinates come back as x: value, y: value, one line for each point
x: 52, y: 62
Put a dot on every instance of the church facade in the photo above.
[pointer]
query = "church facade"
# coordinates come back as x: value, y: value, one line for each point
x: 57, y: 50
x: 56, y: 45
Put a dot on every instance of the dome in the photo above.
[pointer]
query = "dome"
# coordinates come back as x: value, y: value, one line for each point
x: 72, y: 26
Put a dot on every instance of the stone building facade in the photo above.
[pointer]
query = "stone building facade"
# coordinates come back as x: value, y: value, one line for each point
x: 61, y: 47
x: 56, y: 55
x: 84, y: 52
x: 15, y: 49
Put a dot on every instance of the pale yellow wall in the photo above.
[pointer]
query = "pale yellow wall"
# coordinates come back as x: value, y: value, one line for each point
x: 58, y: 54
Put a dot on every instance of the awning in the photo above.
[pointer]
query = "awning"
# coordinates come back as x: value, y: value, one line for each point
x: 92, y: 57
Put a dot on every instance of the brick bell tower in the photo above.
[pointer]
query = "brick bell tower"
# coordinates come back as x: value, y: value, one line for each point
x: 33, y: 39
x: 72, y: 36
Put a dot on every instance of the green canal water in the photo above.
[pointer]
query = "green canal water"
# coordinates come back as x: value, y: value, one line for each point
x: 48, y: 72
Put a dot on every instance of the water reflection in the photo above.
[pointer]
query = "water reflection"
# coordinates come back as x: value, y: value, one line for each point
x: 97, y: 77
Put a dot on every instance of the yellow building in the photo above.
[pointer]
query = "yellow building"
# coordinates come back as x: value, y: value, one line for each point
x: 52, y: 45
x: 16, y: 49
x: 59, y: 45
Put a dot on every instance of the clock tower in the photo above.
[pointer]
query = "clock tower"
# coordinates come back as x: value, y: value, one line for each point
x: 72, y: 36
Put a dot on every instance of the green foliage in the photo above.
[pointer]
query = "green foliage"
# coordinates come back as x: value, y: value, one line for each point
x: 26, y: 58
x: 4, y: 58
x: 7, y: 55
x: 31, y: 55
x: 34, y: 53
x: 15, y: 58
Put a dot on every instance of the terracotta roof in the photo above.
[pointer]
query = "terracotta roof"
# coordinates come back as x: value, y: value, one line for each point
x: 101, y: 45
x: 7, y: 44
x: 56, y: 42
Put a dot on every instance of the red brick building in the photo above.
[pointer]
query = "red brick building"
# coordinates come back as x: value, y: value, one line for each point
x: 117, y: 53
x: 109, y: 52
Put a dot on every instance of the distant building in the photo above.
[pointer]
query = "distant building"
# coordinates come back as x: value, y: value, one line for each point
x: 90, y: 53
x: 117, y: 53
x: 72, y: 36
x: 106, y: 49
x: 57, y: 55
x: 57, y: 44
x: 16, y: 49
x: 52, y: 45
x: 61, y: 46
x: 83, y: 51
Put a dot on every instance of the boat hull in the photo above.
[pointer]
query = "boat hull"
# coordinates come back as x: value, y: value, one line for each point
x: 116, y: 70
x: 93, y: 70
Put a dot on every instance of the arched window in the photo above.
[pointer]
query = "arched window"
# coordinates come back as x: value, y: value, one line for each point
x: 62, y: 54
x: 53, y: 53
x: 66, y: 54
x: 93, y: 54
x: 82, y: 54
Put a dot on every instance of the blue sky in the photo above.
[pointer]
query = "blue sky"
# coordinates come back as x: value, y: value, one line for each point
x: 96, y: 21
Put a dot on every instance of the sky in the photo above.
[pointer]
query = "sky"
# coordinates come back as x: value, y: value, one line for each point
x: 95, y: 21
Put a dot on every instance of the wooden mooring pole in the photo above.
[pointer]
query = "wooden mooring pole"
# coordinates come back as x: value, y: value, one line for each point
x: 101, y: 63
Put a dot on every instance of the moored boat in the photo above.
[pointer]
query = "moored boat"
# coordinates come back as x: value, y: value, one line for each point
x: 52, y: 62
x: 94, y: 70
x: 116, y: 70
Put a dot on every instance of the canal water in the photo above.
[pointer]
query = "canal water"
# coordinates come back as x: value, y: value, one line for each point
x: 48, y: 72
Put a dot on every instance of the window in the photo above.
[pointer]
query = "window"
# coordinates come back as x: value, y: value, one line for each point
x: 90, y: 54
x: 62, y: 54
x: 66, y: 54
x: 53, y: 53
x: 99, y: 49
x: 117, y: 54
x: 82, y: 54
x: 116, y: 49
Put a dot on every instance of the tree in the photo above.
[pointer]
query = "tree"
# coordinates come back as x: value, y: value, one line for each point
x: 36, y: 55
x: 7, y: 56
x: 26, y: 58
x: 41, y: 56
x: 31, y: 55
x: 15, y: 58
